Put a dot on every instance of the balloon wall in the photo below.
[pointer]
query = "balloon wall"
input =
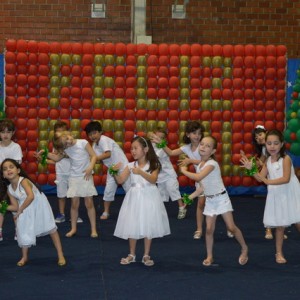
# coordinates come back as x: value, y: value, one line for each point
x: 133, y: 89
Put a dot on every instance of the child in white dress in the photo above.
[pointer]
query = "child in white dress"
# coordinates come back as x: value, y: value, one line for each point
x: 110, y: 153
x: 217, y: 200
x: 81, y: 184
x: 143, y: 214
x: 8, y: 149
x: 34, y: 216
x: 283, y: 203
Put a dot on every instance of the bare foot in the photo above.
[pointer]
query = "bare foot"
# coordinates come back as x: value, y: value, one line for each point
x: 71, y: 233
x: 243, y: 259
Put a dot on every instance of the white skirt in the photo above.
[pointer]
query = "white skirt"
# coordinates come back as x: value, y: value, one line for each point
x: 79, y: 187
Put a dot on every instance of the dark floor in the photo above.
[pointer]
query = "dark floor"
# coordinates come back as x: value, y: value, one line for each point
x: 93, y: 270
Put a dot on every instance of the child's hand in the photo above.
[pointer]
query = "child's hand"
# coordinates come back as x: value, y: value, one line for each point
x: 184, y: 162
x: 155, y: 139
x: 246, y: 163
x: 136, y: 170
x: 261, y: 178
x: 88, y: 173
x: 242, y: 153
x: 183, y: 169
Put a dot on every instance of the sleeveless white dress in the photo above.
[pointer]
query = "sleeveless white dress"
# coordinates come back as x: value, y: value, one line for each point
x: 283, y: 200
x: 142, y: 214
x: 36, y: 219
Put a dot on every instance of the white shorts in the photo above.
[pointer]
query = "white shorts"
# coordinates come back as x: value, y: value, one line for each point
x: 169, y: 189
x: 217, y: 205
x: 111, y: 188
x: 62, y: 185
x: 79, y: 187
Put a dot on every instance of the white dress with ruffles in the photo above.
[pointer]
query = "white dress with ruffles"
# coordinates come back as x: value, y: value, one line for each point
x: 283, y: 200
x: 36, y: 219
x: 142, y: 214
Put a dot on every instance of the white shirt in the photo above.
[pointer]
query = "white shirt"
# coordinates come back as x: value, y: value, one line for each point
x: 212, y: 183
x: 187, y: 149
x: 167, y: 169
x: 106, y: 144
x: 79, y: 158
x: 13, y: 151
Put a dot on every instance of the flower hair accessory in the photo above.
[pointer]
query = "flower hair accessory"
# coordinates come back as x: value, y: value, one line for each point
x: 260, y: 127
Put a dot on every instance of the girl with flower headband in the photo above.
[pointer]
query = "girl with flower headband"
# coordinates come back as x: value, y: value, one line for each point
x: 142, y: 214
x: 282, y: 204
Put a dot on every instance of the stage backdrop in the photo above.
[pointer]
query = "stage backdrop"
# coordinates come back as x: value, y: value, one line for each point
x: 132, y: 89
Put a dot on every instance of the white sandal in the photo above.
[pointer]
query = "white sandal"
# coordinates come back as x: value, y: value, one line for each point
x: 128, y: 260
x: 104, y: 216
x: 147, y: 261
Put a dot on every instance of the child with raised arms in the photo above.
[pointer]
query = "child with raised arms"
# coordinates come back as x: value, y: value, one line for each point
x: 282, y: 207
x: 142, y: 214
x: 110, y: 153
x: 192, y: 136
x: 34, y: 216
x: 217, y: 200
x: 81, y: 184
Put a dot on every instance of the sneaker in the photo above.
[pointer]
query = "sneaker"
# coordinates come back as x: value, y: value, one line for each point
x: 230, y: 234
x: 1, y: 236
x: 79, y: 220
x: 60, y: 218
x: 181, y: 213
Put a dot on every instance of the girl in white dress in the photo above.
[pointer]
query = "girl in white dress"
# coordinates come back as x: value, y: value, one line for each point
x: 283, y: 203
x: 34, y: 216
x: 143, y: 214
x: 81, y: 184
x: 217, y: 200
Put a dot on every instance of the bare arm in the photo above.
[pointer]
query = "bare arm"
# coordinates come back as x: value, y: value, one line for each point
x: 197, y: 176
x: 27, y: 185
x: 121, y: 177
x: 103, y: 156
x: 93, y: 158
x: 286, y: 176
x: 151, y: 177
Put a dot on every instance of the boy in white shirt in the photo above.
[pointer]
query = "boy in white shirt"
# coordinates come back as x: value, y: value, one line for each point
x: 8, y: 149
x: 110, y: 153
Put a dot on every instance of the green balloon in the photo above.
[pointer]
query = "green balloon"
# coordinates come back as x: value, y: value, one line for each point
x: 287, y: 135
x: 298, y: 135
x: 295, y: 148
x: 296, y: 88
x: 294, y: 125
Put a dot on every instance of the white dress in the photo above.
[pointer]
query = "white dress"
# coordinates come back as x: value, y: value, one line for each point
x: 36, y: 219
x: 142, y: 214
x: 283, y: 200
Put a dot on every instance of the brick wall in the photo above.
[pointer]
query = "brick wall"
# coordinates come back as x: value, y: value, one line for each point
x: 208, y: 22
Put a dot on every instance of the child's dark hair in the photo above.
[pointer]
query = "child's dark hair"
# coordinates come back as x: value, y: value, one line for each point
x: 150, y: 155
x: 161, y: 130
x: 7, y: 124
x: 257, y: 147
x: 192, y: 126
x: 93, y: 126
x: 60, y: 124
x: 281, y: 139
x: 22, y: 172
